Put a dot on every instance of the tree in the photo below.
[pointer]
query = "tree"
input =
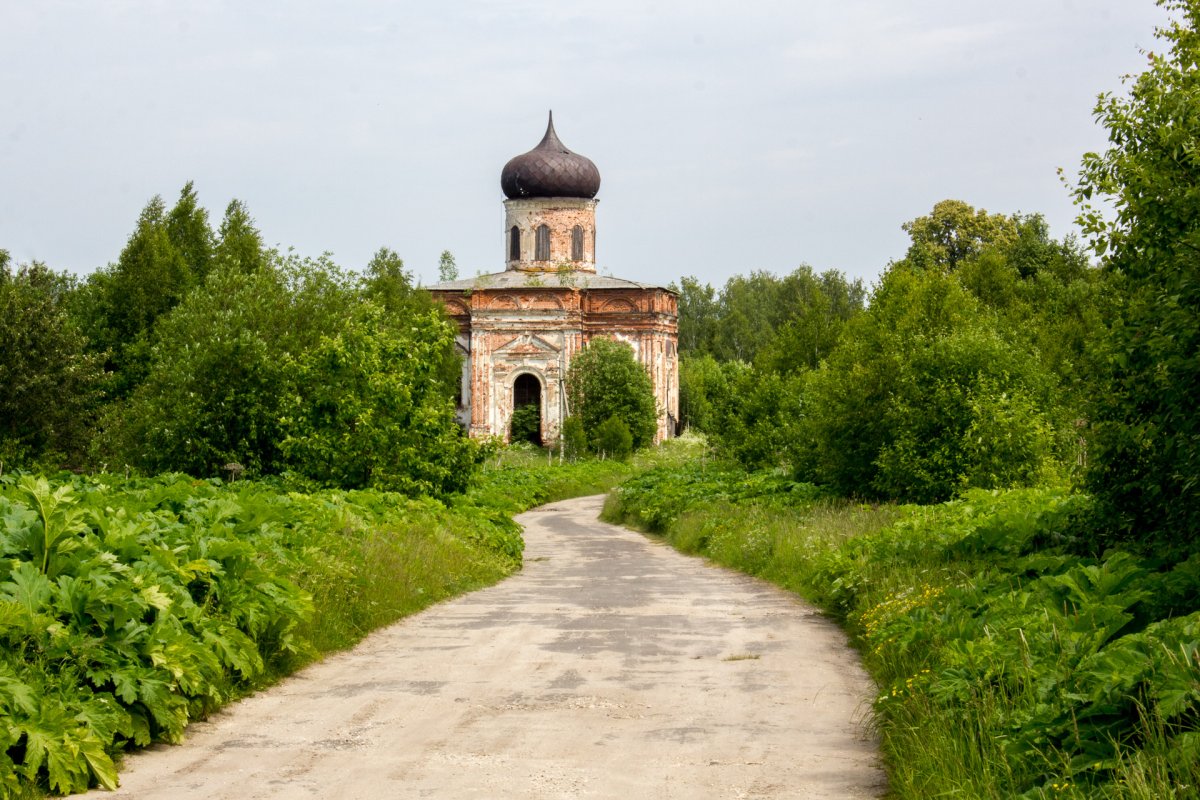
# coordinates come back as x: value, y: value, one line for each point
x: 1146, y: 434
x: 907, y: 406
x: 388, y: 280
x: 447, y: 268
x: 751, y: 310
x: 605, y: 380
x: 125, y: 300
x: 367, y: 412
x: 239, y: 243
x: 222, y: 369
x: 51, y: 385
x: 1045, y: 293
x: 294, y: 368
x: 188, y: 229
x: 217, y: 378
x: 817, y: 308
x: 390, y: 284
x: 783, y: 324
x: 954, y: 232
x: 698, y: 314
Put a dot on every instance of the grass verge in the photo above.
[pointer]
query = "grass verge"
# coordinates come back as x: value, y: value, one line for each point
x: 1008, y: 664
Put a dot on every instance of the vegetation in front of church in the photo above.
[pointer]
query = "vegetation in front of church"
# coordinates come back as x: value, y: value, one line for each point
x: 611, y: 399
x: 1030, y: 617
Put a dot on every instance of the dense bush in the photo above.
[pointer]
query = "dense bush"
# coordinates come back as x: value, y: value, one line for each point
x: 925, y: 398
x: 289, y: 368
x: 605, y: 380
x: 51, y: 384
x: 613, y: 439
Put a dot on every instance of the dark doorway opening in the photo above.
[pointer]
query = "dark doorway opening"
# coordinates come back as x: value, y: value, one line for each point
x: 527, y: 410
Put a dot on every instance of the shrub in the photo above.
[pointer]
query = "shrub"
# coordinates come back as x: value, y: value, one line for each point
x: 906, y: 407
x: 575, y: 443
x: 613, y: 439
x: 605, y: 380
x: 526, y: 424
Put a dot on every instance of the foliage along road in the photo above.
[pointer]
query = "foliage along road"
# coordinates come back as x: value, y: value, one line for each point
x: 610, y: 666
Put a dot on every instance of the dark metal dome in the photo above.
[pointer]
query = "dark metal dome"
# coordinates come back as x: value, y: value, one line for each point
x: 550, y: 170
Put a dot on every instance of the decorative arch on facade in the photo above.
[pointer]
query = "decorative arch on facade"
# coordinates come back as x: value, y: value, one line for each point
x: 618, y: 305
x: 505, y: 302
x: 528, y: 392
x: 542, y: 302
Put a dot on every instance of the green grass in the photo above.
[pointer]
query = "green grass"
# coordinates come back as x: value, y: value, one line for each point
x: 1008, y: 665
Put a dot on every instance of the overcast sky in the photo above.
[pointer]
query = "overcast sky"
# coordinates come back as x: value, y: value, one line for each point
x: 729, y: 136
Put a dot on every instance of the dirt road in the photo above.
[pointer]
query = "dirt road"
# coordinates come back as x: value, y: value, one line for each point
x: 610, y: 667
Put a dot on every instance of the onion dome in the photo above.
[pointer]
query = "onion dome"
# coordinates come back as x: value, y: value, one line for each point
x: 550, y: 170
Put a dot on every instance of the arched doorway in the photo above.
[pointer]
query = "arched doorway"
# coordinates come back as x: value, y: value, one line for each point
x: 526, y: 425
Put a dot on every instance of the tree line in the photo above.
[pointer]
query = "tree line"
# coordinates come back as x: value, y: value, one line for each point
x: 204, y: 351
x: 991, y: 354
x: 959, y: 369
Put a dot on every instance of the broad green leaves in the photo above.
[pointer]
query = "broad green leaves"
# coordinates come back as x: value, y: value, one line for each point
x: 119, y: 626
x: 164, y: 598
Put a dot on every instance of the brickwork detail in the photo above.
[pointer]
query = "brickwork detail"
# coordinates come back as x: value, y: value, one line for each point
x: 505, y: 334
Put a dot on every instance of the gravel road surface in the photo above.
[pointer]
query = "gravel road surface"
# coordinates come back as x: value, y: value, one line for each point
x: 610, y: 667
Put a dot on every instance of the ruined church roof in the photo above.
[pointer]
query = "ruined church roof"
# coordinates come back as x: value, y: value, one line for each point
x: 550, y: 170
x: 520, y: 279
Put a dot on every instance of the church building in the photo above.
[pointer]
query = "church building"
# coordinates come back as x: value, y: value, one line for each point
x: 519, y: 329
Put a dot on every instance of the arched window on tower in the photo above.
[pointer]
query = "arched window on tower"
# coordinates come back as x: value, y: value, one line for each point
x: 514, y: 244
x: 577, y: 243
x: 542, y: 250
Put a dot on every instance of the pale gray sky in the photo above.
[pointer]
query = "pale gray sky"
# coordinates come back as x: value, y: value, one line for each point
x: 729, y: 136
